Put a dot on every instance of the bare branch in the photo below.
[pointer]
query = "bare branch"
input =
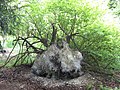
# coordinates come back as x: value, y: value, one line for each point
x: 68, y: 35
x: 54, y: 33
x: 44, y: 41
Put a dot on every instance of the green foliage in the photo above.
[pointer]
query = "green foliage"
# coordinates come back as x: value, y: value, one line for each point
x: 107, y: 88
x: 1, y: 47
x: 114, y: 5
x: 99, y: 42
x: 8, y: 17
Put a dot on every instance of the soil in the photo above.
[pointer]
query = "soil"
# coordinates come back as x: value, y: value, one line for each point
x: 21, y: 78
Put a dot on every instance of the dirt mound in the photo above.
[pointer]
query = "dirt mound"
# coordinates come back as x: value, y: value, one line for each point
x: 20, y: 78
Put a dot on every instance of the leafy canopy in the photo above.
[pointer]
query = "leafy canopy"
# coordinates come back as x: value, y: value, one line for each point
x: 99, y: 42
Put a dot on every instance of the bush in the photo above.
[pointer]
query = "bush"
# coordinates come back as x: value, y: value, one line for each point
x: 99, y: 42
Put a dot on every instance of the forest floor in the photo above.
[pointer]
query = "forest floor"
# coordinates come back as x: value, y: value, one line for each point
x: 21, y: 78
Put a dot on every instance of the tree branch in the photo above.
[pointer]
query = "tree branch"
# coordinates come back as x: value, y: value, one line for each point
x: 54, y: 33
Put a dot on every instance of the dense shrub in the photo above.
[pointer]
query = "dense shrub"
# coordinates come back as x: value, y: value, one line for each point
x: 98, y: 41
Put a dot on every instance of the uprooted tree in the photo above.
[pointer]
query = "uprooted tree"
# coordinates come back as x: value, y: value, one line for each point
x: 58, y: 62
x: 45, y: 23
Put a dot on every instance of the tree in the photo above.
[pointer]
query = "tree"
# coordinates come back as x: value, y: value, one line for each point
x: 76, y: 21
x: 7, y: 16
x: 114, y: 5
